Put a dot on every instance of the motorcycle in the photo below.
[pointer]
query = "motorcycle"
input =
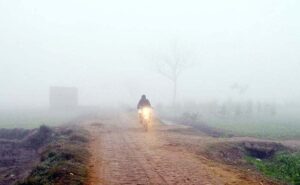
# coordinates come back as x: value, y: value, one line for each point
x: 145, y: 117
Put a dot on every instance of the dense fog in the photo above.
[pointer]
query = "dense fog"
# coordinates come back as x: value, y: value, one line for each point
x: 111, y: 51
x: 149, y: 92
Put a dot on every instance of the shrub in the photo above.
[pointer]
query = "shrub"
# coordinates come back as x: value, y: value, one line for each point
x: 283, y: 166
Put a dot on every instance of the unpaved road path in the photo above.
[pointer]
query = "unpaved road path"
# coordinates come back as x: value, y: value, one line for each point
x: 122, y: 153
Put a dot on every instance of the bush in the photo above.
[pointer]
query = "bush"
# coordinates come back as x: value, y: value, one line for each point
x: 283, y: 166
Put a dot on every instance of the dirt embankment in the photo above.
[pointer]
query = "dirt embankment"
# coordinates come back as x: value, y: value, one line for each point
x: 43, y: 156
x: 19, y: 152
x: 236, y: 152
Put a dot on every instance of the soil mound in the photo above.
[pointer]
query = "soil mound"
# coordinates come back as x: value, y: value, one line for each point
x: 236, y: 152
x: 19, y: 151
x: 262, y: 150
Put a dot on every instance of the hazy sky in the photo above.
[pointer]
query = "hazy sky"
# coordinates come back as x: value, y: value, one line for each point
x: 103, y: 48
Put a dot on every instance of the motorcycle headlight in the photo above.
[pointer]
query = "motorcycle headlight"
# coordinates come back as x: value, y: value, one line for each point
x: 146, y: 113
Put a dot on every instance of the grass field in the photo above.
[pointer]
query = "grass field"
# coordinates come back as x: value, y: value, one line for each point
x: 283, y: 124
x: 276, y: 127
x: 283, y: 166
x: 33, y: 118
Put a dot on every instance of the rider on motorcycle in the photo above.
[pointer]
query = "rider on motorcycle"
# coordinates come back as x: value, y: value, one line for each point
x: 144, y: 111
x: 144, y: 102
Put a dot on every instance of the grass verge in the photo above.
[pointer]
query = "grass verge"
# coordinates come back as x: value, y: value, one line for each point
x: 283, y: 166
x: 62, y: 162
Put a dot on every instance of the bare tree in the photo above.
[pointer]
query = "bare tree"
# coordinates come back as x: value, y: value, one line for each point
x: 173, y: 63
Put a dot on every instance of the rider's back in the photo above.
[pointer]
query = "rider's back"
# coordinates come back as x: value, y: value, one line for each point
x: 144, y: 102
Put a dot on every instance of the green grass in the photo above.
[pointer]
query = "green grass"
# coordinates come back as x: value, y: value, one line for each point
x: 272, y: 127
x: 284, y: 167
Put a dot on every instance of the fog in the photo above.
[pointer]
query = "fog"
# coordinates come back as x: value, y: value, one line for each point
x: 240, y: 50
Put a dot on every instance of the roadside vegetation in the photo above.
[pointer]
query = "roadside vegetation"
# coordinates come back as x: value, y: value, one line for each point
x: 274, y: 160
x: 43, y: 156
x: 282, y: 166
x: 63, y: 161
x: 19, y: 151
x: 261, y: 120
x: 277, y: 122
x: 269, y: 128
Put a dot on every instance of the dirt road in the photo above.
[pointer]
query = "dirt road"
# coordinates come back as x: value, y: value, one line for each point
x: 122, y: 153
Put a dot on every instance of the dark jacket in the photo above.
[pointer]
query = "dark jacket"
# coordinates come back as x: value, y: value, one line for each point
x: 144, y: 102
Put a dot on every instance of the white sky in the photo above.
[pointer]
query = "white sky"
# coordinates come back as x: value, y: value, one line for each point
x: 101, y: 47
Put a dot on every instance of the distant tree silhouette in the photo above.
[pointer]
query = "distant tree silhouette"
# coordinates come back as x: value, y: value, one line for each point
x: 173, y: 63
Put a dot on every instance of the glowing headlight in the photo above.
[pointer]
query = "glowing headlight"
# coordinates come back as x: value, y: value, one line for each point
x: 146, y: 113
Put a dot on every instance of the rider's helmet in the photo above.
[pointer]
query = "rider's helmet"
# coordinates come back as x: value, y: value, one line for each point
x: 143, y: 96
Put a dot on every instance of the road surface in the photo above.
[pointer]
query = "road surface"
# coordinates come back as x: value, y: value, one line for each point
x: 122, y: 153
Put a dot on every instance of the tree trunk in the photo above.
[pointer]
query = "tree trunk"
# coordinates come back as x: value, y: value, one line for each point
x: 174, y: 92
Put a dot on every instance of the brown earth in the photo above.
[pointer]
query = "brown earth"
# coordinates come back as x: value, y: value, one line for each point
x: 122, y: 153
x: 19, y: 152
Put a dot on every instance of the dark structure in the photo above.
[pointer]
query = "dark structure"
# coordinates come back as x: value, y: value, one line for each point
x: 63, y: 97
